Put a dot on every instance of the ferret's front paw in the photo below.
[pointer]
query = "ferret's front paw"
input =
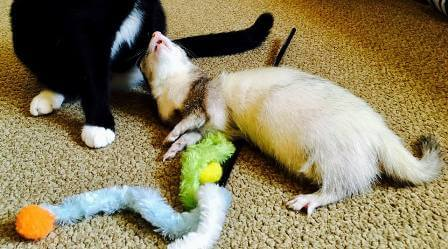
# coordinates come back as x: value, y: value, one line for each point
x: 173, y: 136
x: 96, y: 136
x: 172, y: 152
x: 168, y: 156
x: 180, y: 144
x: 175, y: 148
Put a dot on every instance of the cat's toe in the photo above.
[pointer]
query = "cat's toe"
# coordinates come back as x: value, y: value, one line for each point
x: 96, y: 136
x: 46, y: 102
x: 40, y: 106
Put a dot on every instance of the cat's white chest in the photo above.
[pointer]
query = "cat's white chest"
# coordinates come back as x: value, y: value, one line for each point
x: 129, y: 30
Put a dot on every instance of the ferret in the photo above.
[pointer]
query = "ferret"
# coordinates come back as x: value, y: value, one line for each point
x: 309, y: 124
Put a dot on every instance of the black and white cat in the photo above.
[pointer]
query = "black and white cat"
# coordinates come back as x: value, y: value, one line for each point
x: 75, y: 46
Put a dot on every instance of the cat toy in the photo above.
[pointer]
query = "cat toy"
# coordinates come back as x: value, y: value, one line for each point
x: 200, y: 227
x: 201, y: 165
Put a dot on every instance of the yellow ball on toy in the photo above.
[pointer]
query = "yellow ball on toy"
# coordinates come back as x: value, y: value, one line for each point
x: 211, y: 173
x: 34, y: 222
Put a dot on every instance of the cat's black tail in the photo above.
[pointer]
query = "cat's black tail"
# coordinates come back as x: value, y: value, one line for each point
x: 229, y: 42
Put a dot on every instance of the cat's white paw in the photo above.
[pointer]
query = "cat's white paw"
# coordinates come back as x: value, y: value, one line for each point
x: 96, y: 136
x: 45, y: 102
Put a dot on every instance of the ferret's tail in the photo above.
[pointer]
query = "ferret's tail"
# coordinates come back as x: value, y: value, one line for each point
x: 229, y: 42
x: 399, y: 163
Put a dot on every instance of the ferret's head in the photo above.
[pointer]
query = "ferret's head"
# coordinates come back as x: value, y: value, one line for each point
x: 170, y: 74
x: 165, y: 59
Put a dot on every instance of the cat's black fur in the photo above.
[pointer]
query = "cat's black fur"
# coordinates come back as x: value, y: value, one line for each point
x: 67, y: 45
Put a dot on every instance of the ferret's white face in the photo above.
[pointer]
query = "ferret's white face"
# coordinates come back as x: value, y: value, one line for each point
x: 169, y: 72
x: 165, y: 58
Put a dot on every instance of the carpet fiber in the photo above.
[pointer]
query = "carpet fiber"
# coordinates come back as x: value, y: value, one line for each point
x: 391, y: 53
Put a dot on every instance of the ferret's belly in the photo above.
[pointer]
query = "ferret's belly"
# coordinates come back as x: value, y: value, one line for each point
x: 294, y: 116
x: 273, y: 111
x: 273, y: 128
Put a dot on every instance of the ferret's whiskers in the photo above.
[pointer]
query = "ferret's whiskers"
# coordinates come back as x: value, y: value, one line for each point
x: 140, y: 54
x: 188, y: 51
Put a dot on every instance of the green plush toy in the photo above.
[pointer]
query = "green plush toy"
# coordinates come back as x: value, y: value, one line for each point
x: 201, y: 163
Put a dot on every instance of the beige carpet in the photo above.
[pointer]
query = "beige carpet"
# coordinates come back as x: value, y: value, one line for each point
x: 394, y: 54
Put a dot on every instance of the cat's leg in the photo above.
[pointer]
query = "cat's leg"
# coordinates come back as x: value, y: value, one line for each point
x: 94, y: 52
x: 186, y: 139
x: 193, y: 121
x: 127, y: 80
x: 46, y: 102
x: 99, y: 127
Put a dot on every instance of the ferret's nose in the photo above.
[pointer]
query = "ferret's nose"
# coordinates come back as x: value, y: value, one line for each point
x: 157, y: 33
x: 157, y: 37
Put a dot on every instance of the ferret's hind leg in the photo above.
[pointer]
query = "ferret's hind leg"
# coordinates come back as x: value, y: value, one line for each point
x: 343, y: 174
x: 312, y: 201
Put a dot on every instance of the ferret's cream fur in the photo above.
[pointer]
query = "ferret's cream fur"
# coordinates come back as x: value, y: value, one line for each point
x: 309, y: 124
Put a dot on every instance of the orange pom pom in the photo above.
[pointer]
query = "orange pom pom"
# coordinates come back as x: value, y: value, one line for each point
x: 34, y: 222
